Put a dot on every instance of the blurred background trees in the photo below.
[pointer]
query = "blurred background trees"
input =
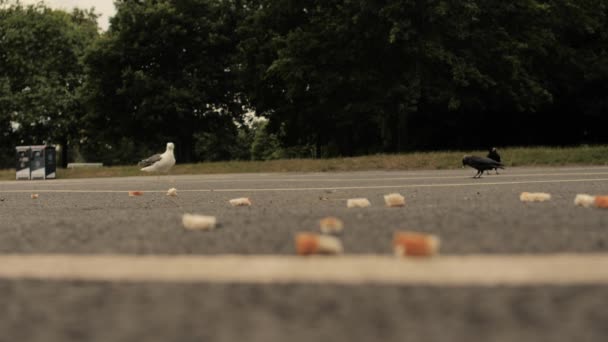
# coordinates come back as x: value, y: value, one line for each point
x: 329, y: 78
x: 41, y: 72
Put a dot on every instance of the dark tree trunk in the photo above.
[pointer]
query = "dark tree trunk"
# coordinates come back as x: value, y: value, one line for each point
x: 185, y: 150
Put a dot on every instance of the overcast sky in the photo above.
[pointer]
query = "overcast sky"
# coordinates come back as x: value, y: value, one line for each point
x: 103, y: 7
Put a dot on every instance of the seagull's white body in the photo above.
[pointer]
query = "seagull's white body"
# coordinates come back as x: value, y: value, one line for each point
x: 160, y: 162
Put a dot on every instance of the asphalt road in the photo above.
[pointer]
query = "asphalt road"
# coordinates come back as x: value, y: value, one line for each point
x: 471, y: 216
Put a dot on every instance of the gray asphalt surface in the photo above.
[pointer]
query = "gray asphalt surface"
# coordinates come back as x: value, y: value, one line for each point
x: 474, y: 218
x: 72, y: 311
x: 469, y: 215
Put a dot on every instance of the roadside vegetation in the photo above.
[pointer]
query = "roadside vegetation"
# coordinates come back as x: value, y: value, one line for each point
x: 514, y: 156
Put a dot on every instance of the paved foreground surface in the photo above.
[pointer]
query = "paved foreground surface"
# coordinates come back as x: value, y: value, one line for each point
x: 85, y: 311
x: 472, y: 217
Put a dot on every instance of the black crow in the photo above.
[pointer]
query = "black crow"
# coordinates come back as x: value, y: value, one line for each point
x: 481, y: 164
x: 493, y: 154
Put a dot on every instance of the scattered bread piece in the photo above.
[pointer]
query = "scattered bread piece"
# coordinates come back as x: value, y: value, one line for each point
x: 135, y: 193
x: 534, y: 197
x: 172, y: 192
x: 34, y: 196
x: 331, y: 225
x: 309, y: 243
x: 584, y: 200
x: 589, y: 201
x: 357, y: 203
x: 239, y: 202
x: 198, y: 222
x: 415, y: 244
x: 601, y: 201
x: 394, y: 200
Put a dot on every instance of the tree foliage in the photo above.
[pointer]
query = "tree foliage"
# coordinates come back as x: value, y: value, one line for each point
x: 368, y: 76
x: 332, y: 77
x: 41, y: 71
x: 163, y: 73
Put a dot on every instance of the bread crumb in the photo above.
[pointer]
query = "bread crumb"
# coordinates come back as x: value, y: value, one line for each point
x: 34, y: 196
x: 584, y: 200
x: 309, y: 243
x: 408, y: 243
x: 394, y: 200
x: 198, y: 222
x: 534, y: 197
x: 172, y: 192
x: 357, y: 203
x: 331, y: 225
x: 239, y: 202
x: 601, y: 201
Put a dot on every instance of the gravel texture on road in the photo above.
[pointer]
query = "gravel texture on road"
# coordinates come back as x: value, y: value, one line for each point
x: 74, y: 311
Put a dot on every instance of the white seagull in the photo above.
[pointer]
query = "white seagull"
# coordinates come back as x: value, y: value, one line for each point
x: 159, y: 162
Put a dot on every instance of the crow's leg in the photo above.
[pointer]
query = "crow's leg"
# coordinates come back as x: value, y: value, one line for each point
x: 497, y: 171
x: 478, y: 175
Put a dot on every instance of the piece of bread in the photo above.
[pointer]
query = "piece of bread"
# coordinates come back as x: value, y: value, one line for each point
x: 357, y: 203
x: 309, y: 243
x: 415, y: 244
x: 584, y: 200
x: 198, y: 222
x: 331, y: 225
x: 240, y: 202
x: 534, y: 197
x: 601, y: 201
x: 589, y: 201
x: 394, y: 200
x: 172, y: 192
x: 34, y: 196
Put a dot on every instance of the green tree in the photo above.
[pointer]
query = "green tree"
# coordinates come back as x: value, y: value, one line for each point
x: 327, y: 74
x: 163, y: 72
x: 223, y: 140
x: 366, y: 76
x: 41, y: 71
x: 265, y: 145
